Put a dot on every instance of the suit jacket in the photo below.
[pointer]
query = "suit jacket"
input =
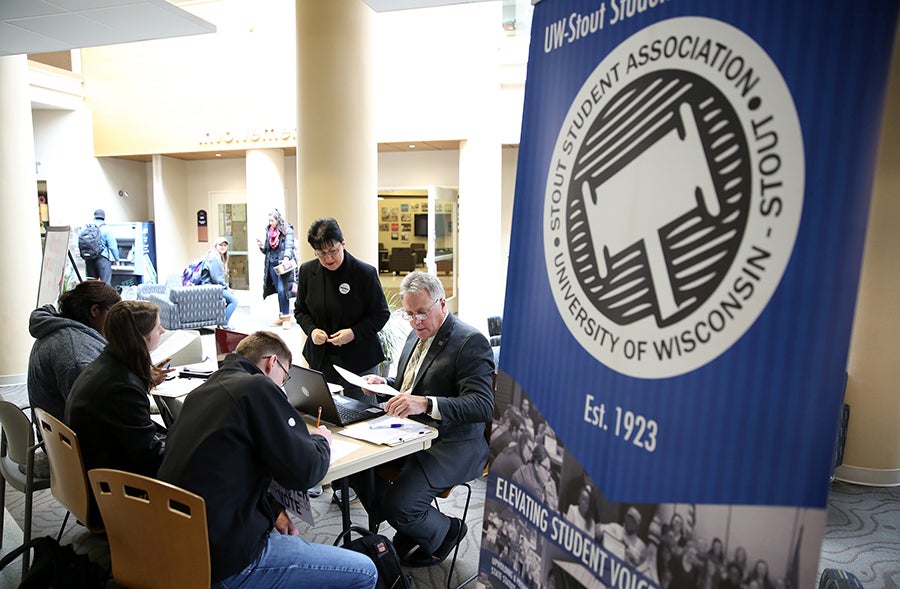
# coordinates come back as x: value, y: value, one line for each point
x: 457, y: 369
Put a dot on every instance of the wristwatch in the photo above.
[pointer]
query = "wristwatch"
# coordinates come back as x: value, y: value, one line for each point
x: 429, y: 406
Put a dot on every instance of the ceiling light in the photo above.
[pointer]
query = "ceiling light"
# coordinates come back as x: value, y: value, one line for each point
x: 412, y: 146
x: 218, y: 155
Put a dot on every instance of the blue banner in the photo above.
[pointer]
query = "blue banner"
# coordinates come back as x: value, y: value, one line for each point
x: 692, y: 190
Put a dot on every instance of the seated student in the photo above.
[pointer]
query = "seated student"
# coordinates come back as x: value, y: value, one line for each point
x: 445, y: 372
x: 215, y: 271
x: 66, y: 342
x: 108, y: 407
x: 237, y: 433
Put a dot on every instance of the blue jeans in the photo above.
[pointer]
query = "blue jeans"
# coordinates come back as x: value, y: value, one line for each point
x: 230, y: 304
x: 283, y: 287
x: 290, y: 561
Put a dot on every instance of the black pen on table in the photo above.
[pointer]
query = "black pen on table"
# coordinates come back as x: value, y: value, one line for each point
x: 319, y: 417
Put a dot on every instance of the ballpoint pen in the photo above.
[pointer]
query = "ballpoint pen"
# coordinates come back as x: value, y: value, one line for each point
x: 319, y: 417
x: 386, y: 426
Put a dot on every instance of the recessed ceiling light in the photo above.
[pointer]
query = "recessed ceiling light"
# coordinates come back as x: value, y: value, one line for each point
x: 412, y: 145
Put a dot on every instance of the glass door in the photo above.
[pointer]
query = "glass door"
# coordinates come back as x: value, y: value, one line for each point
x: 441, y: 259
x: 228, y: 217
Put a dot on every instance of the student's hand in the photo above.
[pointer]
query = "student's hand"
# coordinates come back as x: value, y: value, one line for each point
x: 285, y: 525
x: 159, y: 371
x: 404, y: 405
x: 339, y: 338
x: 322, y: 431
x: 318, y: 336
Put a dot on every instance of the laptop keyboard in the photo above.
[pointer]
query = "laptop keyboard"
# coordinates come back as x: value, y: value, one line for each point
x: 349, y: 415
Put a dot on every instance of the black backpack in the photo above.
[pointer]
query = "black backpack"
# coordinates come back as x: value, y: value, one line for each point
x: 383, y: 554
x: 57, y: 567
x: 90, y: 243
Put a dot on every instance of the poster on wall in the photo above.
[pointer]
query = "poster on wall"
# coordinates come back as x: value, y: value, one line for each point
x: 669, y: 390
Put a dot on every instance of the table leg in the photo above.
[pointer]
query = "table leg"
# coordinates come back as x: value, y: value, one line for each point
x: 344, y: 485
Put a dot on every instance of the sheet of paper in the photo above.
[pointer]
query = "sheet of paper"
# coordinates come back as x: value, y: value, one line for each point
x: 341, y: 448
x: 354, y: 379
x: 386, y: 430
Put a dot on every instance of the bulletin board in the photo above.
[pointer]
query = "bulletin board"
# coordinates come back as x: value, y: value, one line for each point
x: 53, y: 265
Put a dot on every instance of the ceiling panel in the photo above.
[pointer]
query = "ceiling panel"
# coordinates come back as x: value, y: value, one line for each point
x: 43, y: 26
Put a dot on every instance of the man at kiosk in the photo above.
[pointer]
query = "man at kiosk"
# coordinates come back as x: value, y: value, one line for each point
x: 444, y: 375
x: 237, y: 433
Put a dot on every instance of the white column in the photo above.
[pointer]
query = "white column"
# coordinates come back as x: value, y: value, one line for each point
x: 265, y: 191
x: 481, y: 263
x: 337, y: 152
x: 20, y: 240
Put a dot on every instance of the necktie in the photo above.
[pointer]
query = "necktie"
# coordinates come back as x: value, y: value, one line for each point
x: 410, y: 374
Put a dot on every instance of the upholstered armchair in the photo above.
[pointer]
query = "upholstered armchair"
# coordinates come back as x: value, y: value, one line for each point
x: 185, y: 307
x: 403, y: 259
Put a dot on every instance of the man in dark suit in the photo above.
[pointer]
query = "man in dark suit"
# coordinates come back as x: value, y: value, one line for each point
x: 444, y: 376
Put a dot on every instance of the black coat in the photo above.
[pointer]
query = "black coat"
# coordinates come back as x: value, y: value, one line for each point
x: 349, y: 297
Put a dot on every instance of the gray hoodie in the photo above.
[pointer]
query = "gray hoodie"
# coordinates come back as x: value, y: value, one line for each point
x: 62, y: 350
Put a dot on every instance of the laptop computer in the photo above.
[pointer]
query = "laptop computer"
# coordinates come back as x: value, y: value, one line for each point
x: 307, y: 390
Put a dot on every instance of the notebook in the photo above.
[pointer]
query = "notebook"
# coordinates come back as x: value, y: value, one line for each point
x: 307, y: 390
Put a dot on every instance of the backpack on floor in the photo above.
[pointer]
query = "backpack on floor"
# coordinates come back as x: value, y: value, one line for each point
x: 90, y: 243
x: 57, y: 567
x: 193, y: 274
x: 383, y: 554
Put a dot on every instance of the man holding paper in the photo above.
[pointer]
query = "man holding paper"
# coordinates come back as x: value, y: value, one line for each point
x: 445, y: 375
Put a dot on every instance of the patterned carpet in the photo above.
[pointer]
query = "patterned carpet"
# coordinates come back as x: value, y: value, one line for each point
x: 862, y: 535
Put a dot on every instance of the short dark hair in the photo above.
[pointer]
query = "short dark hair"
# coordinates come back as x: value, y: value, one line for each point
x: 76, y: 303
x: 259, y: 344
x: 324, y: 231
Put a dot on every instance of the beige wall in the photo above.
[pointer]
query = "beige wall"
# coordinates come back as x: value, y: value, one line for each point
x: 872, y: 454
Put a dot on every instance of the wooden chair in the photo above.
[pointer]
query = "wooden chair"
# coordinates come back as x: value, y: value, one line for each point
x: 157, y: 531
x: 17, y: 448
x: 68, y: 480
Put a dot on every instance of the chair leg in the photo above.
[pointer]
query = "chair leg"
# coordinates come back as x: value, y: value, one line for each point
x: 456, y: 549
x: 62, y: 527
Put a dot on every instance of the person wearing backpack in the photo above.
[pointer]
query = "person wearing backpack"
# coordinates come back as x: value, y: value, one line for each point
x: 98, y: 247
x: 215, y: 271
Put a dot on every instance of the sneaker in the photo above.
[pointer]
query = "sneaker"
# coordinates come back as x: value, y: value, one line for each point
x: 286, y: 324
x: 336, y: 498
x: 315, y: 491
x: 278, y: 321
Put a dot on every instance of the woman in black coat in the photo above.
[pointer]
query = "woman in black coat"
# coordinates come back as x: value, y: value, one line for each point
x: 341, y: 308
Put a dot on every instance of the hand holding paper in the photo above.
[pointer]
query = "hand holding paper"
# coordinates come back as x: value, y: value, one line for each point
x: 354, y: 379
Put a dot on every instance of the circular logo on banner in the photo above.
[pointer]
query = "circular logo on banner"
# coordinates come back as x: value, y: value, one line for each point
x: 673, y: 197
x: 344, y: 288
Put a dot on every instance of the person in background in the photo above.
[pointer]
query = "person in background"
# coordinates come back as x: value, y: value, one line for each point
x: 237, y: 433
x: 102, y: 267
x: 445, y: 377
x: 215, y: 271
x: 278, y: 248
x: 66, y: 342
x: 341, y: 307
x: 108, y: 407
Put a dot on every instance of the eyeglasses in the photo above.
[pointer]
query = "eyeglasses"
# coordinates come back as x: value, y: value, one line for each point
x: 418, y: 316
x: 329, y: 254
x: 287, y: 375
